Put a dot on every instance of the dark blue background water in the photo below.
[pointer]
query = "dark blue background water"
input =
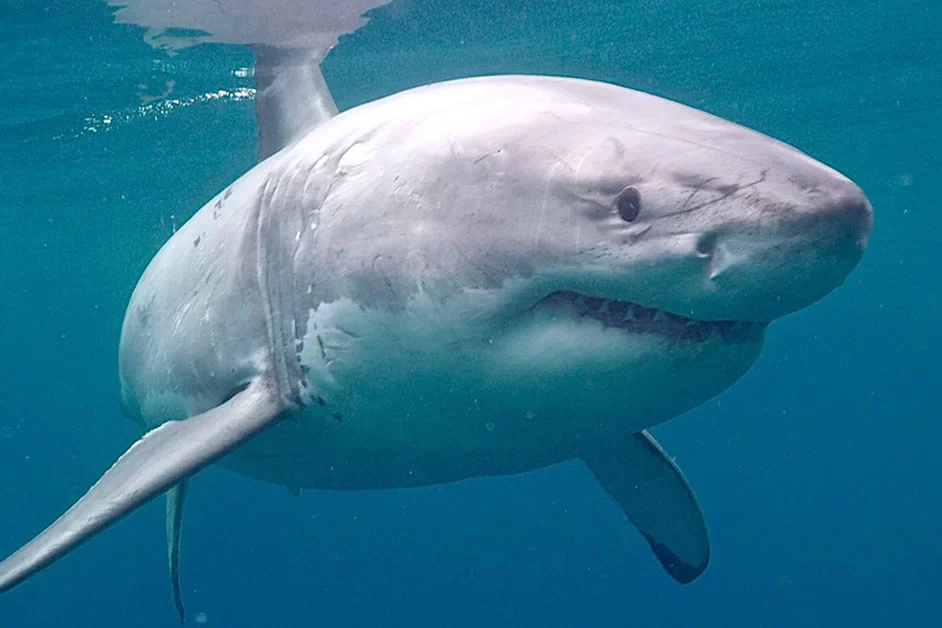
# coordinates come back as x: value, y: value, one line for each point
x: 818, y: 472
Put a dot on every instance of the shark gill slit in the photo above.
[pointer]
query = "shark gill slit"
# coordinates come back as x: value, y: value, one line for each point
x: 272, y: 254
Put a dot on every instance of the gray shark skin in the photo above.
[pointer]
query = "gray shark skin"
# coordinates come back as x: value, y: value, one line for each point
x: 479, y: 277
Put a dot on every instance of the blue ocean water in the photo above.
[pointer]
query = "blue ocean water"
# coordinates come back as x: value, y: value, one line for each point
x: 818, y: 472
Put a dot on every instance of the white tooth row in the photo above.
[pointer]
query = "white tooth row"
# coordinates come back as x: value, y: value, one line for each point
x: 602, y: 308
x: 582, y: 302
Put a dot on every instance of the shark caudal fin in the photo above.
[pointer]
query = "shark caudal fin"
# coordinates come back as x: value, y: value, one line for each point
x: 175, y: 498
x: 654, y: 494
x: 160, y: 460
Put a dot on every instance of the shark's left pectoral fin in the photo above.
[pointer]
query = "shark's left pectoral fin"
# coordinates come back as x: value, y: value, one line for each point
x: 655, y: 496
x: 161, y: 459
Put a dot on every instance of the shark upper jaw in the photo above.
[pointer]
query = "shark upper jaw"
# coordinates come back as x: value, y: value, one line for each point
x: 636, y: 318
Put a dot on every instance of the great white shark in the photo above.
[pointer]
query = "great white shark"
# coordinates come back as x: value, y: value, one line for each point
x: 479, y: 277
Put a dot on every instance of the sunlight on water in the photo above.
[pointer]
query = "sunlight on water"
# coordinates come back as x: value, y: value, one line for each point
x: 153, y: 110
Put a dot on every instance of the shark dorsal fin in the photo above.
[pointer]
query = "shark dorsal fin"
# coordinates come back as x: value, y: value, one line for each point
x: 291, y: 96
x: 290, y: 39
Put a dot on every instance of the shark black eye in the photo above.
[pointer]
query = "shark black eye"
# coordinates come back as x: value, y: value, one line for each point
x: 628, y: 204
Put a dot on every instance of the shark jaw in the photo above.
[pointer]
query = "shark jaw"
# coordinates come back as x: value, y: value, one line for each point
x: 585, y: 368
x: 634, y: 318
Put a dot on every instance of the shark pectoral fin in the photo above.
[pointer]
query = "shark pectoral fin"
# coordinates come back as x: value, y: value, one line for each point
x: 175, y: 497
x: 655, y: 496
x: 162, y: 458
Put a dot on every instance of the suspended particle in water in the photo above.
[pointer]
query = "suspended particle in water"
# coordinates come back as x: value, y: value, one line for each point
x: 201, y: 618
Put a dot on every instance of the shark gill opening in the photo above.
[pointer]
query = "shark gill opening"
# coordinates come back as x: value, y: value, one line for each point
x: 637, y: 318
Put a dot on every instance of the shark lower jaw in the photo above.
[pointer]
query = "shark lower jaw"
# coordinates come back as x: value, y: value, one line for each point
x: 635, y: 318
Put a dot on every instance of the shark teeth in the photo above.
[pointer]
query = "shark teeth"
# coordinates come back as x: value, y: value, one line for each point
x: 638, y: 318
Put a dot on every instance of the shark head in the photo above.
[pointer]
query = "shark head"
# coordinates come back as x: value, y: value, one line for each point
x: 604, y: 250
x: 682, y: 212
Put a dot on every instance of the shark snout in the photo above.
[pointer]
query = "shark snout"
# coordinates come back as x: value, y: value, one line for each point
x: 846, y: 221
x: 786, y: 259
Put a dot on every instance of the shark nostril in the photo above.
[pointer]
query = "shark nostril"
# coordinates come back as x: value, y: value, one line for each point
x: 706, y: 245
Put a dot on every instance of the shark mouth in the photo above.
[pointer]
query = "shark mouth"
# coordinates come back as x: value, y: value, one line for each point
x: 635, y: 318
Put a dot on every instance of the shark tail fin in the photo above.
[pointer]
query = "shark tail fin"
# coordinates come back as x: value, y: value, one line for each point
x: 161, y: 459
x: 175, y: 498
x: 654, y: 494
